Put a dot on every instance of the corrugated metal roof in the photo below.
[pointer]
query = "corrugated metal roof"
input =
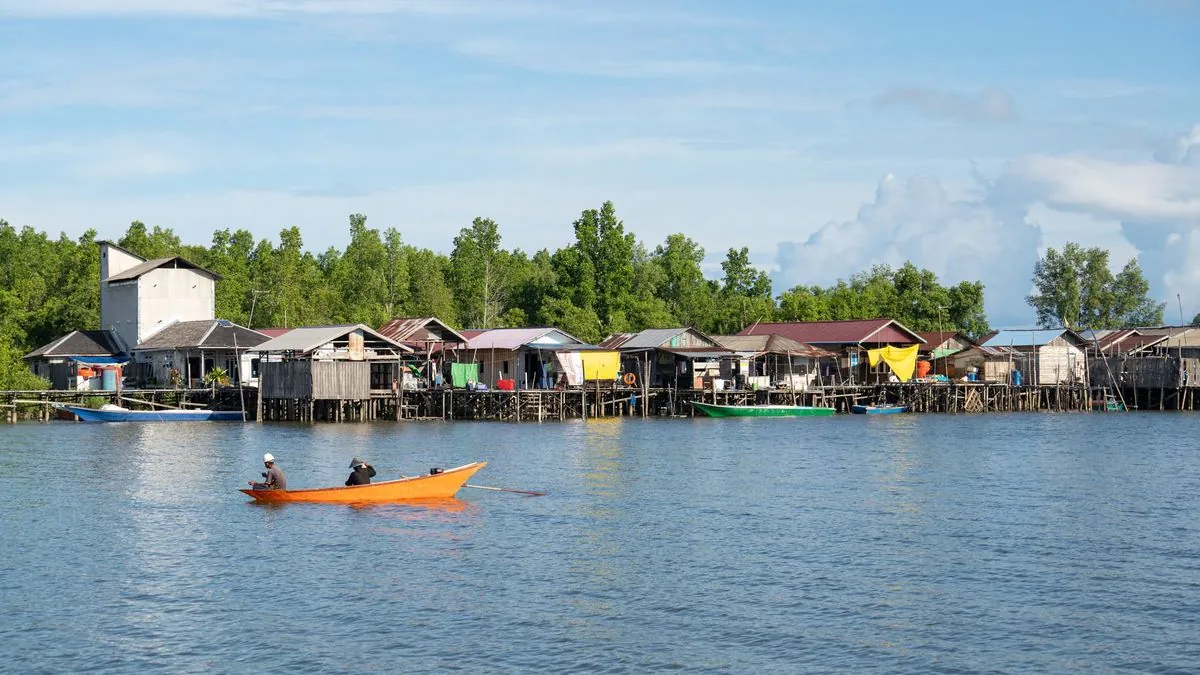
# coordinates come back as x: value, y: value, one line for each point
x: 616, y: 340
x: 402, y: 329
x: 309, y: 338
x: 699, y: 352
x: 1030, y: 338
x: 839, y: 332
x: 515, y: 338
x: 79, y: 343
x: 770, y: 344
x: 174, y: 261
x: 651, y: 338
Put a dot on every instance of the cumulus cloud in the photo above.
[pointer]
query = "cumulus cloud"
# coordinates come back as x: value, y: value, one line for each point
x: 916, y: 220
x: 1157, y: 203
x: 987, y: 105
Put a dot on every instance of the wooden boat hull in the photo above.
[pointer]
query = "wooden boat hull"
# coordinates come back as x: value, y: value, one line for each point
x: 417, y: 488
x: 762, y: 410
x: 93, y: 415
x: 878, y: 409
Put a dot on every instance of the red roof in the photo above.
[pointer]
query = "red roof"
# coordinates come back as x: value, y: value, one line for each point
x: 869, y: 331
x: 273, y: 332
x: 934, y: 339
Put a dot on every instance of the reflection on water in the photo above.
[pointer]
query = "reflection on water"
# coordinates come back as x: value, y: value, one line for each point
x: 848, y: 544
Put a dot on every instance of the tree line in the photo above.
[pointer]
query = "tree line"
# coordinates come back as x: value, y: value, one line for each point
x: 605, y: 281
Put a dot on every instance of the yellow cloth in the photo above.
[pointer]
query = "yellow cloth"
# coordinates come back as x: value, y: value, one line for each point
x: 902, y: 360
x: 601, y: 365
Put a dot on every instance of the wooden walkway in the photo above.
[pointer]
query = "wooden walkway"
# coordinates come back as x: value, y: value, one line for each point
x: 553, y: 405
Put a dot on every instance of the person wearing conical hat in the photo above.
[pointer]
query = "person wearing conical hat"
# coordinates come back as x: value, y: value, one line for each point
x: 361, y: 473
x: 275, y: 478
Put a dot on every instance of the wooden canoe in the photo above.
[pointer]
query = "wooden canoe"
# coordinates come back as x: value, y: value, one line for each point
x: 417, y: 488
x: 713, y: 410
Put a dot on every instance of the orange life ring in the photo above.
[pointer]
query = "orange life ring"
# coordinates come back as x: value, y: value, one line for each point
x: 629, y: 379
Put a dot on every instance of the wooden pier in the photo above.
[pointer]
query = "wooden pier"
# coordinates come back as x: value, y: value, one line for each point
x: 555, y: 405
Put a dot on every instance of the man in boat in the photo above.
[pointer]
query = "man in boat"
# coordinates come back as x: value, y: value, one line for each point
x: 362, y: 473
x: 275, y: 478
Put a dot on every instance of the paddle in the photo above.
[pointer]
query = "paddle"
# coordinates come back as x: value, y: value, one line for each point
x: 530, y: 493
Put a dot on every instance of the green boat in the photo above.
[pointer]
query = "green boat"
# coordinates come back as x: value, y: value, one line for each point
x: 713, y: 410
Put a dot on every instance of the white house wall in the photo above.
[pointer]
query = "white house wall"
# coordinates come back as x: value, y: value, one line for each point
x: 119, y: 310
x: 168, y: 295
x: 114, y: 261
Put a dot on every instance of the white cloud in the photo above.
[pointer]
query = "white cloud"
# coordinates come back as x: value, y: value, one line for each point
x: 987, y: 105
x: 916, y: 220
x: 1107, y: 189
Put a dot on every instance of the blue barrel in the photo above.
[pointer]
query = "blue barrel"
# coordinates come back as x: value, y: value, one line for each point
x: 1016, y: 378
x: 108, y: 379
x: 972, y: 377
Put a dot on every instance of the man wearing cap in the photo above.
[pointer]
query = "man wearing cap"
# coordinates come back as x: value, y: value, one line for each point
x: 362, y: 473
x: 276, y: 480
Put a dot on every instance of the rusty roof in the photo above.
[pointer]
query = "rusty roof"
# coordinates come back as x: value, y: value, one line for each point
x: 410, y: 330
x: 872, y: 331
x: 770, y: 344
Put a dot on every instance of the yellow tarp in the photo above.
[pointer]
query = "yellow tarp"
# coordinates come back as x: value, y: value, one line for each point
x: 902, y: 360
x: 601, y: 365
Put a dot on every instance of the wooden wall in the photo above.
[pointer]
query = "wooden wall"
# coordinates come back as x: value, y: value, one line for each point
x: 1060, y: 362
x: 285, y: 379
x: 1145, y: 372
x: 316, y: 380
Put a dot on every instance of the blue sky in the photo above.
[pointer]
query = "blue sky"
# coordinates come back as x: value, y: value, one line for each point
x: 825, y: 136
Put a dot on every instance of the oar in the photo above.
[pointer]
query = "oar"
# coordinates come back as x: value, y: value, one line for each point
x: 531, y: 493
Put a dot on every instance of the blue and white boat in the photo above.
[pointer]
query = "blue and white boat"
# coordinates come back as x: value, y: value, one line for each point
x: 115, y: 413
x: 878, y: 409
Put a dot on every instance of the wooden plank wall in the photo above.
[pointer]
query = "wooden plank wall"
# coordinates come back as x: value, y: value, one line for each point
x: 1147, y: 372
x: 285, y: 379
x: 341, y: 380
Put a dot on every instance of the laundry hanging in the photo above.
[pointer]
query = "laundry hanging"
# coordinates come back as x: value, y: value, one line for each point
x: 902, y: 360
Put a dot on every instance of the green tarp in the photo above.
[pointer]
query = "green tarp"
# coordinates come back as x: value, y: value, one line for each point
x: 462, y: 373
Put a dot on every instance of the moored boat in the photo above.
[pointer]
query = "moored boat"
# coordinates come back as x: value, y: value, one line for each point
x: 878, y: 409
x: 1109, y: 404
x: 440, y: 485
x: 114, y: 413
x: 713, y: 410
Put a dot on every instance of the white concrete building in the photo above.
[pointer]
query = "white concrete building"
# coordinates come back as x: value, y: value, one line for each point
x: 140, y: 297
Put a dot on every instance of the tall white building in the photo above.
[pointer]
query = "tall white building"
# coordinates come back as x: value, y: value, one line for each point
x: 140, y: 297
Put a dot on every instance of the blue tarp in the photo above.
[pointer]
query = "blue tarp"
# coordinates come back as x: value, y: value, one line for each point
x: 99, y: 360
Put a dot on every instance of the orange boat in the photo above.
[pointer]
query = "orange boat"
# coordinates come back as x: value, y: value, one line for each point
x: 440, y: 485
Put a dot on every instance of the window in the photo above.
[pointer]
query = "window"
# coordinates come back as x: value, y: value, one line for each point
x: 504, y: 367
x: 254, y: 367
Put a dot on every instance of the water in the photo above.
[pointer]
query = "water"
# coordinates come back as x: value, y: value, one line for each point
x: 1002, y: 543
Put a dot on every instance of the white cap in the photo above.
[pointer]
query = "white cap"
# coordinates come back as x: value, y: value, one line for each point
x: 268, y: 457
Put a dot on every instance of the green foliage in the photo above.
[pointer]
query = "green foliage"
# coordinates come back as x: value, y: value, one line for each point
x: 604, y: 281
x: 911, y: 295
x: 14, y: 374
x: 217, y: 377
x: 1074, y: 288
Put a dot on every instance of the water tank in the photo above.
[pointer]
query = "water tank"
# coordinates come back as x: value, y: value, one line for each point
x: 108, y: 378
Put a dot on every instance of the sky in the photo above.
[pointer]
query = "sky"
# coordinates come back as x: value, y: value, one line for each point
x: 826, y: 137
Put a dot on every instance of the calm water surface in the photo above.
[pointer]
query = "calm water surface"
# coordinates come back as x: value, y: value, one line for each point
x: 1005, y: 543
